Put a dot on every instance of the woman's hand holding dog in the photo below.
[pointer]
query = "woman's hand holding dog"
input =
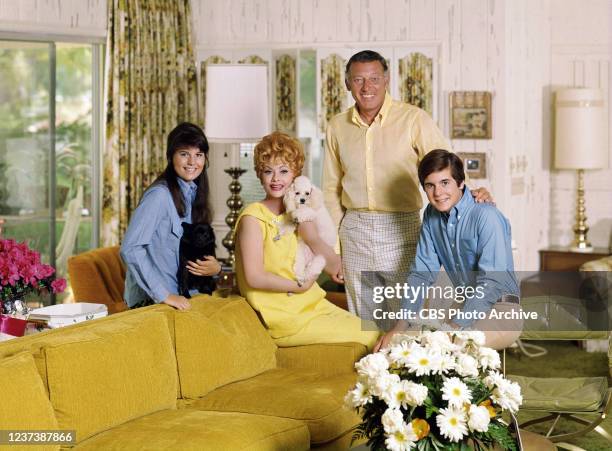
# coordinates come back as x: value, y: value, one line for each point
x: 304, y: 286
x: 207, y: 267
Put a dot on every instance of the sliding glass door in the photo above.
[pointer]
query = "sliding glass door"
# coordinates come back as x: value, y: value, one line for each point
x: 49, y: 97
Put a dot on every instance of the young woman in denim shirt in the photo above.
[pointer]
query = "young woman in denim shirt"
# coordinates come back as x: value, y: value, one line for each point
x: 150, y: 247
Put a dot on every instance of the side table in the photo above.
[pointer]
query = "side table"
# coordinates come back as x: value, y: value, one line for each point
x: 558, y: 258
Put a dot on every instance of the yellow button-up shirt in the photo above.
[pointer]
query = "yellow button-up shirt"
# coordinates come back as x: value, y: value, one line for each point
x: 374, y: 167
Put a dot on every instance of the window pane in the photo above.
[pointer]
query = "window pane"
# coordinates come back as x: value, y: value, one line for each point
x: 73, y: 150
x: 251, y: 187
x: 26, y: 106
x: 24, y: 143
x: 307, y: 116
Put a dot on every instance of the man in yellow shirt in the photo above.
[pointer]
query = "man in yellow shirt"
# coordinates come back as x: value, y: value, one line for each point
x: 370, y: 179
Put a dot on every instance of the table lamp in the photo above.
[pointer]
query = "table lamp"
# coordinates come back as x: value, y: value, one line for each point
x: 581, y: 143
x: 237, y: 111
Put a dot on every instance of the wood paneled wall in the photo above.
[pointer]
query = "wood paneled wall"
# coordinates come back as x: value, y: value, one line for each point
x: 59, y: 17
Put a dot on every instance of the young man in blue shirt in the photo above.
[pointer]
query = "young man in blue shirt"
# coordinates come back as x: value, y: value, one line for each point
x: 473, y: 243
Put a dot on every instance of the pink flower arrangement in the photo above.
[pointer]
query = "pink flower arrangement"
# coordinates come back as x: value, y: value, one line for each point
x: 22, y: 272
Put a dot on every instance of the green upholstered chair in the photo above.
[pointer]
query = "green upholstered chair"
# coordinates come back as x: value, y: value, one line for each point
x: 584, y: 400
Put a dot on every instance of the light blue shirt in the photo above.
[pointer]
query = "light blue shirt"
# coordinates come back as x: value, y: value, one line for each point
x: 473, y: 243
x: 150, y: 247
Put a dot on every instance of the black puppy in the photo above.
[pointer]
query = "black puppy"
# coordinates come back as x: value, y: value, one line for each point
x: 198, y: 241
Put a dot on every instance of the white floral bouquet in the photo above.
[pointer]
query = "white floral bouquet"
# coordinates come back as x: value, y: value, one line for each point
x: 436, y: 391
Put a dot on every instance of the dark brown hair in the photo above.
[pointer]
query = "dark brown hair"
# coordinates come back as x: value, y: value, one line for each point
x: 439, y: 159
x: 366, y: 56
x: 184, y: 136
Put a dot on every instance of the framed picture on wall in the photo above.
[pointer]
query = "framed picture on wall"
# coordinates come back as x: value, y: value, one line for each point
x: 474, y: 164
x: 470, y: 114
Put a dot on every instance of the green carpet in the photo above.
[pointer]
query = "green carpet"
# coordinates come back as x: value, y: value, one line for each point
x: 564, y: 359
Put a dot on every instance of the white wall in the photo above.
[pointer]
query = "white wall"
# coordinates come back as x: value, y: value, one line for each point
x: 580, y: 56
x: 58, y: 17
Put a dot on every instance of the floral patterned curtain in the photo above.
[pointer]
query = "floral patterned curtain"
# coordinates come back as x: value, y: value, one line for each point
x: 333, y: 90
x: 151, y: 87
x: 285, y: 94
x: 416, y: 81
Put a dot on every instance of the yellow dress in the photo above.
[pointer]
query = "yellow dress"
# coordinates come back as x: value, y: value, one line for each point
x: 302, y: 318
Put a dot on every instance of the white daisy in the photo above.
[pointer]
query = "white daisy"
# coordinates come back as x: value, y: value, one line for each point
x: 478, y: 418
x: 422, y: 361
x: 401, y: 440
x: 405, y: 393
x: 467, y: 366
x: 392, y: 420
x: 456, y: 392
x: 452, y: 423
x: 359, y: 396
x: 399, y: 353
x: 489, y: 358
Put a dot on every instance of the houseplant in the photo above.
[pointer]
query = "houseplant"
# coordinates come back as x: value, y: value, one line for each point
x: 436, y: 391
x: 22, y: 273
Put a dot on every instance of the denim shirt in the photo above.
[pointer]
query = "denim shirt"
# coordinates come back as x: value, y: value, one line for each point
x: 150, y: 248
x: 473, y: 243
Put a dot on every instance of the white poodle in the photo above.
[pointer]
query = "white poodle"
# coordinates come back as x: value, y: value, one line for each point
x: 304, y: 202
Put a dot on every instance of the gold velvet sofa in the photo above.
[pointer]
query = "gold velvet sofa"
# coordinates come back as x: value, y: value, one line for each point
x: 157, y: 378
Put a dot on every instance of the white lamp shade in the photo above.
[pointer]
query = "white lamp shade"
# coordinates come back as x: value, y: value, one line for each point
x: 237, y: 104
x: 581, y: 137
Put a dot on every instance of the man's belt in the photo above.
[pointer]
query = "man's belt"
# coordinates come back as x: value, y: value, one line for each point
x: 511, y: 298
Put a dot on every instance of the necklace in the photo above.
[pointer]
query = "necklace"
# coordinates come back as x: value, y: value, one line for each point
x: 283, y: 227
x: 277, y: 222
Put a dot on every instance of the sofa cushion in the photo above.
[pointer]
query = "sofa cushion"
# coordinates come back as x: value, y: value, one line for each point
x: 95, y: 384
x: 196, y: 430
x: 24, y: 402
x: 216, y: 347
x: 325, y: 358
x: 299, y: 394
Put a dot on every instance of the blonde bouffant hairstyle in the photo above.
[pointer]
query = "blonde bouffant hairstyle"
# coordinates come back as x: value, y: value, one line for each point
x: 278, y: 147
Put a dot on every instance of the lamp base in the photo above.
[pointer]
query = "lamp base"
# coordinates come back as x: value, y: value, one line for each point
x: 581, y: 243
x: 581, y: 247
x: 234, y: 204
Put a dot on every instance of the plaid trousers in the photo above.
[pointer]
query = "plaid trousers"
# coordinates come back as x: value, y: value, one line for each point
x: 384, y: 242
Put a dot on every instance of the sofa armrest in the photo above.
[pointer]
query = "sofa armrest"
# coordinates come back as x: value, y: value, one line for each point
x: 328, y: 359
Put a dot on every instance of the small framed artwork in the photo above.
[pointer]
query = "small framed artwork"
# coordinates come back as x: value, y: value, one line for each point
x: 470, y: 114
x: 475, y: 164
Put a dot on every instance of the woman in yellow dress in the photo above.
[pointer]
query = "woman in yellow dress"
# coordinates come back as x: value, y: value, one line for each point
x: 295, y: 314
